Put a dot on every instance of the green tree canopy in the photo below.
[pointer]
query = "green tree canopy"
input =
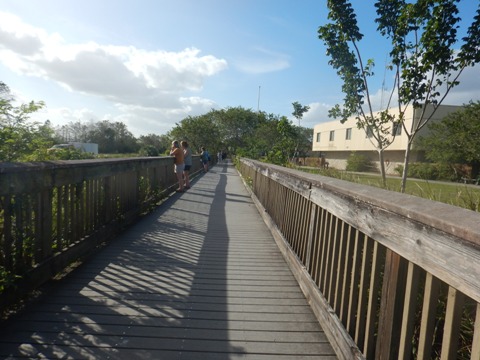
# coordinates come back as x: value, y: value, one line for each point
x: 456, y: 139
x: 244, y: 132
x: 20, y: 137
x: 299, y: 110
x: 198, y: 131
x: 111, y: 137
x: 153, y: 144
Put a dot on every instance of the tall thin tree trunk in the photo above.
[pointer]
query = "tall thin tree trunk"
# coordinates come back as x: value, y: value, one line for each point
x: 405, y: 167
x: 381, y: 160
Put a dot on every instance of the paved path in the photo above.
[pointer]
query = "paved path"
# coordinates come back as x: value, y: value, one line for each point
x: 199, y: 278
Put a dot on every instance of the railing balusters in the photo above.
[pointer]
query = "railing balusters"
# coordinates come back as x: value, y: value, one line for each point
x: 476, y: 336
x: 310, y: 238
x: 316, y: 245
x: 430, y: 300
x: 332, y: 277
x: 363, y: 293
x: 7, y: 233
x: 409, y: 311
x: 354, y: 280
x: 340, y: 270
x: 378, y: 263
x: 347, y: 275
x: 453, y: 317
x: 324, y: 248
x: 380, y: 260
x: 53, y: 213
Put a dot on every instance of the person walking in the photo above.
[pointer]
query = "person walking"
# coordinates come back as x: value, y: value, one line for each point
x: 205, y: 157
x: 187, y: 154
x: 179, y: 163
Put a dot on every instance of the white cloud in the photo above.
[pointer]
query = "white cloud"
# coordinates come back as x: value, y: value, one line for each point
x: 317, y: 113
x: 18, y: 37
x: 135, y: 81
x: 262, y: 61
x: 465, y: 92
x: 64, y: 115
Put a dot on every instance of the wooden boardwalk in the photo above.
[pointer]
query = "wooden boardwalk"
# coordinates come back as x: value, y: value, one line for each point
x: 199, y: 278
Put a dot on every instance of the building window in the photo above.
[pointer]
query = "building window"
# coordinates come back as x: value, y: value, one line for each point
x: 348, y: 134
x: 318, y: 137
x: 397, y: 128
x: 332, y: 135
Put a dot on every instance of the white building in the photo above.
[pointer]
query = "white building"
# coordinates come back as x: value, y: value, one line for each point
x: 336, y: 141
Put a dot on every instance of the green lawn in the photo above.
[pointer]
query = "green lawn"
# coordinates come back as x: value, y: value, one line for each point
x: 466, y: 196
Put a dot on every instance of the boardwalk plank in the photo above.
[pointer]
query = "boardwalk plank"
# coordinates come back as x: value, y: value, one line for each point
x: 199, y: 278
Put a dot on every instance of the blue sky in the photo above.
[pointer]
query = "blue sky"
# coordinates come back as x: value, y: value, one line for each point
x: 151, y: 63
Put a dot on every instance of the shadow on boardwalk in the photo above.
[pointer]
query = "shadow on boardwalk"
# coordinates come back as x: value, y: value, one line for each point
x: 199, y: 278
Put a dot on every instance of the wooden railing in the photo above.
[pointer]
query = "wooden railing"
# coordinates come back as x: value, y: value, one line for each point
x: 388, y: 275
x: 54, y: 213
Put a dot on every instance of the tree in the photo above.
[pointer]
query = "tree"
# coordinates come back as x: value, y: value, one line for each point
x: 263, y: 139
x: 455, y: 139
x: 288, y: 142
x: 237, y: 125
x: 228, y: 129
x: 76, y: 131
x: 153, y: 144
x: 425, y: 64
x: 198, y: 131
x: 3, y: 89
x: 244, y: 132
x: 299, y: 110
x: 112, y: 138
x: 18, y: 136
x: 304, y: 141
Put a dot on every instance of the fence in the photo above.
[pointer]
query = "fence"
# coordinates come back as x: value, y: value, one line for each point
x: 54, y: 213
x: 388, y: 275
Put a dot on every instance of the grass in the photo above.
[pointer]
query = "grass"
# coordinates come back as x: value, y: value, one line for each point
x: 461, y: 195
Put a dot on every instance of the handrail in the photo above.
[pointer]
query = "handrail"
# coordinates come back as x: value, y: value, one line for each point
x: 55, y: 213
x: 389, y: 275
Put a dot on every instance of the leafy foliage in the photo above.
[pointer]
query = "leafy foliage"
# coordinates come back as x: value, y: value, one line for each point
x: 425, y: 64
x: 237, y: 131
x: 113, y: 137
x: 299, y: 110
x: 240, y: 131
x: 359, y: 163
x: 18, y: 136
x: 456, y: 138
x: 429, y: 171
x: 153, y: 144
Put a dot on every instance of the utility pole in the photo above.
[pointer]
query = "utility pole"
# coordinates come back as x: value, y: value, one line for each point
x: 258, y: 102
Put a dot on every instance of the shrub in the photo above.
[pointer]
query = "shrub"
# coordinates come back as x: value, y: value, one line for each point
x: 399, y: 170
x: 277, y: 157
x: 359, y: 163
x: 430, y: 171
